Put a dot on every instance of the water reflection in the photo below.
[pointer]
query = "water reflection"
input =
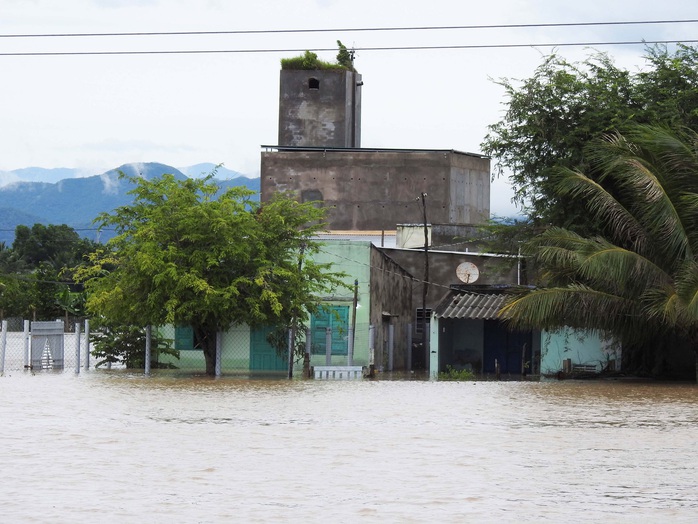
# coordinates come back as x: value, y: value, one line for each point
x: 114, y: 447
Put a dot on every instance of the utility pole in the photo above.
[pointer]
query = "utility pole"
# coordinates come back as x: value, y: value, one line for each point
x: 350, y: 358
x: 294, y: 322
x: 425, y: 285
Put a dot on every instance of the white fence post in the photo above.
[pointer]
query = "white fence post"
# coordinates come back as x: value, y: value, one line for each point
x: 26, y: 345
x: 77, y: 347
x: 219, y: 351
x: 87, y: 344
x: 148, y: 337
x: 3, y: 345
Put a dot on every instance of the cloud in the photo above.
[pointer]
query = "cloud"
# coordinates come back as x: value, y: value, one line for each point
x: 115, y: 145
x: 111, y: 183
x: 7, y: 178
x: 117, y: 4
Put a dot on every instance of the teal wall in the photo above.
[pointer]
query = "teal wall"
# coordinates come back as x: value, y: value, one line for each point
x: 350, y: 257
x: 354, y: 259
x: 581, y: 347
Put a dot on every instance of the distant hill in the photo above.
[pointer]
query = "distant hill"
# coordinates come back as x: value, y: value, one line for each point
x: 201, y: 170
x: 56, y: 174
x: 39, y: 174
x: 77, y: 201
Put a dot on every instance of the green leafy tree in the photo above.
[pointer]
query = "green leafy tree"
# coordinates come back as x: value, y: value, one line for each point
x: 47, y: 288
x: 639, y: 280
x: 70, y: 302
x: 345, y: 57
x: 15, y: 296
x: 60, y: 246
x: 36, y: 272
x: 186, y: 255
x: 123, y: 345
x: 550, y: 117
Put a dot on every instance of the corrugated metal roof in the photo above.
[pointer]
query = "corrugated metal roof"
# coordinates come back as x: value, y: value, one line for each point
x: 471, y: 306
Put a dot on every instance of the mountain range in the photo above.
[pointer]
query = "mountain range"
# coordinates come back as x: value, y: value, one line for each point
x: 56, y: 174
x: 62, y: 196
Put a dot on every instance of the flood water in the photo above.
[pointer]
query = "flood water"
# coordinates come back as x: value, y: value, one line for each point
x: 112, y: 447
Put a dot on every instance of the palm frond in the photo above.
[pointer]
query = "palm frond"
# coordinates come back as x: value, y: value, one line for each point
x: 639, y: 281
x: 575, y: 306
x: 594, y: 261
x: 603, y: 206
x: 687, y: 289
x: 640, y: 181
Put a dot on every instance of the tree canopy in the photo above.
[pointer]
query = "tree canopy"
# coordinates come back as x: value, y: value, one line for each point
x: 550, y: 117
x: 639, y: 280
x: 60, y: 246
x: 186, y: 254
x: 36, y: 272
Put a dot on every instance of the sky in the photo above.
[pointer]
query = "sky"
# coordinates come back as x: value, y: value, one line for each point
x: 97, y: 112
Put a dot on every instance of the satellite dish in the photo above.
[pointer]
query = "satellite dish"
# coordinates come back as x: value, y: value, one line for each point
x: 467, y: 272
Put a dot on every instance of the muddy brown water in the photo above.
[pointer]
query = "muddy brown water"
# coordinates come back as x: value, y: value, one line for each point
x: 114, y: 447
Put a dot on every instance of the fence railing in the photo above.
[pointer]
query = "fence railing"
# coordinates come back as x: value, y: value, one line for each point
x: 44, y: 346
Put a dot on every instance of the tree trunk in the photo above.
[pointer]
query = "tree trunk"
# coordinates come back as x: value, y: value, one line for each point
x: 207, y: 339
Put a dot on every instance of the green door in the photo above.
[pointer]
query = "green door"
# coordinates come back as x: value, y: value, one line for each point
x: 263, y: 356
x: 336, y: 318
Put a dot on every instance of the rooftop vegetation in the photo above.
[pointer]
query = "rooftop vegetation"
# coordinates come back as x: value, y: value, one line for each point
x: 310, y: 61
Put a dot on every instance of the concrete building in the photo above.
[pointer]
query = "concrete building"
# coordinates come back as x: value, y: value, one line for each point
x: 376, y: 189
x: 319, y: 159
x: 320, y: 108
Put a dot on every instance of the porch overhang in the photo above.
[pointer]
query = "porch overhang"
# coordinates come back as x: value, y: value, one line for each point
x: 470, y: 305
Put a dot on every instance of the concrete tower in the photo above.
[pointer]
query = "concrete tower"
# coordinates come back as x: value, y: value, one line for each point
x: 320, y: 108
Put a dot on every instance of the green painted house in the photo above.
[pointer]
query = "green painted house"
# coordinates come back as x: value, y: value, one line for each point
x: 379, y: 329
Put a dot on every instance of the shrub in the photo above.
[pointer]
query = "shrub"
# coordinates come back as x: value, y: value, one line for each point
x: 310, y: 61
x: 452, y: 373
x: 125, y: 345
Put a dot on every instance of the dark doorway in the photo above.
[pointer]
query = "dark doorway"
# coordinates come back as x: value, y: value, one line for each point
x: 508, y: 348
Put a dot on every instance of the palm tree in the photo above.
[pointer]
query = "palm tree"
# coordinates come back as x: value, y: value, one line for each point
x: 638, y: 278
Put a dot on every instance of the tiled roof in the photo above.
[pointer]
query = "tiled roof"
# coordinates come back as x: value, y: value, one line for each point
x: 471, y: 305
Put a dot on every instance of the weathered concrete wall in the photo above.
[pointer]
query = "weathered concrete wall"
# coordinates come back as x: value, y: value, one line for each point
x: 320, y: 108
x: 391, y: 304
x: 442, y: 271
x: 469, y: 191
x: 376, y: 190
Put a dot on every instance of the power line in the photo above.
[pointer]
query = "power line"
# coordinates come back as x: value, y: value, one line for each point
x: 349, y: 29
x: 387, y: 48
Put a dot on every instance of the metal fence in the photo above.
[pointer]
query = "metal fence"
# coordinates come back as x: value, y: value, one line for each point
x: 249, y: 351
x: 44, y: 346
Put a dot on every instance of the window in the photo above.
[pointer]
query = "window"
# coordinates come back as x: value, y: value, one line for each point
x: 419, y: 319
x: 185, y: 339
x: 313, y: 83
